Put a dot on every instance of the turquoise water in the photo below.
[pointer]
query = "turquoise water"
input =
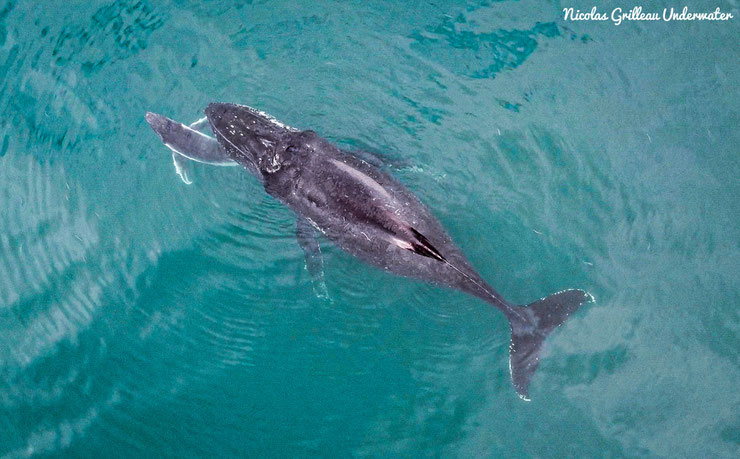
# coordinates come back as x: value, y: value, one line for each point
x: 140, y: 315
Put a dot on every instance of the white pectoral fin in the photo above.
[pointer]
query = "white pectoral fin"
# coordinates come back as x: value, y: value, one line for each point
x: 200, y: 124
x: 182, y: 167
x: 307, y: 237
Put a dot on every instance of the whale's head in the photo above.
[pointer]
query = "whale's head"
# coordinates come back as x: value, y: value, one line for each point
x: 251, y: 135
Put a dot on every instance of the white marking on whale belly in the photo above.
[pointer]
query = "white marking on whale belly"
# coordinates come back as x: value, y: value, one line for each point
x: 402, y: 244
x: 363, y: 178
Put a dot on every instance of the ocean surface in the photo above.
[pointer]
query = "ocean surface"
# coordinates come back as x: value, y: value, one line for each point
x: 143, y: 317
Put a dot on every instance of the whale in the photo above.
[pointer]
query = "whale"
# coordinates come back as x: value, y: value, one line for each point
x: 353, y: 201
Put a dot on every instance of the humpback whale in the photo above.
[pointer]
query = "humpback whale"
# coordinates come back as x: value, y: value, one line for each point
x: 363, y: 210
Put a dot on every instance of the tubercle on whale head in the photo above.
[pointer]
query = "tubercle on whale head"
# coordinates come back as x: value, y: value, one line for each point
x: 252, y: 135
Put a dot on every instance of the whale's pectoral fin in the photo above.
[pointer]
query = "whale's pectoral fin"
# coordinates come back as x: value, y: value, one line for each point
x: 530, y: 326
x: 200, y: 124
x: 377, y: 160
x: 308, y: 240
x: 182, y: 167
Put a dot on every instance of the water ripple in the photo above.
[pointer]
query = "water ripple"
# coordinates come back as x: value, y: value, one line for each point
x: 47, y: 238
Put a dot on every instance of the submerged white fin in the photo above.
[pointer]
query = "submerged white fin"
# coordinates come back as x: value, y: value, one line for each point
x: 200, y: 124
x: 182, y: 167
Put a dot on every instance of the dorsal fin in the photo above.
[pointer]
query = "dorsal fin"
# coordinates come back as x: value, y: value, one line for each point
x: 423, y: 247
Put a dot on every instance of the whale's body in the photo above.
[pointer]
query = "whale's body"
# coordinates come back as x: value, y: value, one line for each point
x: 363, y: 210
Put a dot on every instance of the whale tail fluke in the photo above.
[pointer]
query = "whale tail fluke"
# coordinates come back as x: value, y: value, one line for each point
x: 530, y: 325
